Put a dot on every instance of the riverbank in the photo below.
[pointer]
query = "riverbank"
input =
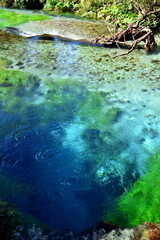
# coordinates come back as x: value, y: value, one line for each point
x: 121, y: 13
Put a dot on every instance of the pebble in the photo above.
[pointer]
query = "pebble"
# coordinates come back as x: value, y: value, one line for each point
x: 6, y: 84
x: 155, y: 61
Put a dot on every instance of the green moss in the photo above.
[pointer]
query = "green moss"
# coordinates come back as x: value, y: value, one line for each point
x: 10, y: 188
x: 90, y: 107
x: 13, y: 76
x: 15, y: 84
x: 4, y: 62
x: 11, y: 18
x: 62, y: 91
x: 9, y: 221
x: 142, y: 202
x: 96, y: 112
x: 10, y: 216
x: 12, y: 220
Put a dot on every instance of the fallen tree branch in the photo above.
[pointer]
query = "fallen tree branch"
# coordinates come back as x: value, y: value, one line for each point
x: 133, y: 45
x: 131, y: 36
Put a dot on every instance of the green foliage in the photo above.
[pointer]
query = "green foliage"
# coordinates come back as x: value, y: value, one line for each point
x: 59, y: 6
x: 11, y: 18
x: 9, y: 221
x: 142, y: 202
x: 90, y: 14
x: 28, y: 4
x: 6, y: 3
x: 121, y: 12
x: 64, y: 7
x: 50, y: 4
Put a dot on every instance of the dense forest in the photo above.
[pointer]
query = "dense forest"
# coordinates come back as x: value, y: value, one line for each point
x: 120, y: 11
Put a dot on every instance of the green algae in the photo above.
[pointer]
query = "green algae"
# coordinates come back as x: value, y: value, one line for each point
x: 142, y: 202
x: 11, y: 18
x: 15, y: 84
x: 62, y: 93
x: 12, y: 220
x: 11, y: 189
x: 60, y: 99
x: 9, y: 221
x: 91, y: 107
x: 69, y: 100
x: 14, y: 77
x: 4, y: 62
x: 96, y: 112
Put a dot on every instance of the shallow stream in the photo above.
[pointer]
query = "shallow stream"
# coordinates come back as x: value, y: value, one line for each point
x: 77, y: 126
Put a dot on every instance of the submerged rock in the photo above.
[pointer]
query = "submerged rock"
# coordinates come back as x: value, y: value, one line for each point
x: 126, y: 234
x: 156, y: 61
x: 66, y: 27
x: 146, y: 231
x: 6, y: 84
x: 16, y: 31
x: 9, y: 37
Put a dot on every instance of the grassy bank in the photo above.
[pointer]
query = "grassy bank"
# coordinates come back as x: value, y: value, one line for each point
x: 141, y: 202
x: 11, y: 18
x: 120, y: 12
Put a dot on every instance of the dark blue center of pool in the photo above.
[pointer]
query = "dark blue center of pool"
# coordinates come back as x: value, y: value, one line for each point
x: 49, y: 150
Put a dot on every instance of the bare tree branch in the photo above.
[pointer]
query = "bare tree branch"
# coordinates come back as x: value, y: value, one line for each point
x: 132, y: 35
x: 133, y: 45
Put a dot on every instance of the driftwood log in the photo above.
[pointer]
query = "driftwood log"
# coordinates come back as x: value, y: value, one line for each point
x: 132, y: 35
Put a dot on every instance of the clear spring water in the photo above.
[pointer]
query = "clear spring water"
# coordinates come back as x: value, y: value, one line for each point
x: 77, y: 130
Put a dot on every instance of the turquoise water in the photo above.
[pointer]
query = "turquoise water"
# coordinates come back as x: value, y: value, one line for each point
x: 76, y: 127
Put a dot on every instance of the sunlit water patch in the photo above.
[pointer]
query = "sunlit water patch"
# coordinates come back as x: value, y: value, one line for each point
x: 76, y: 127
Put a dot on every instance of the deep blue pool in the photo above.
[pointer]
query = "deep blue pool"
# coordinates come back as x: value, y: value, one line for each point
x: 54, y: 156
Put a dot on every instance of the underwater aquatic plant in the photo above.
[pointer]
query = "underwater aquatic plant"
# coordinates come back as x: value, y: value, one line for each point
x: 142, y: 202
x: 11, y: 18
x: 9, y: 221
x: 15, y: 83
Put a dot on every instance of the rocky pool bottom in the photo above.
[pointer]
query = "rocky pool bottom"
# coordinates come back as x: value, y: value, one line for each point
x: 146, y: 231
x: 77, y: 130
